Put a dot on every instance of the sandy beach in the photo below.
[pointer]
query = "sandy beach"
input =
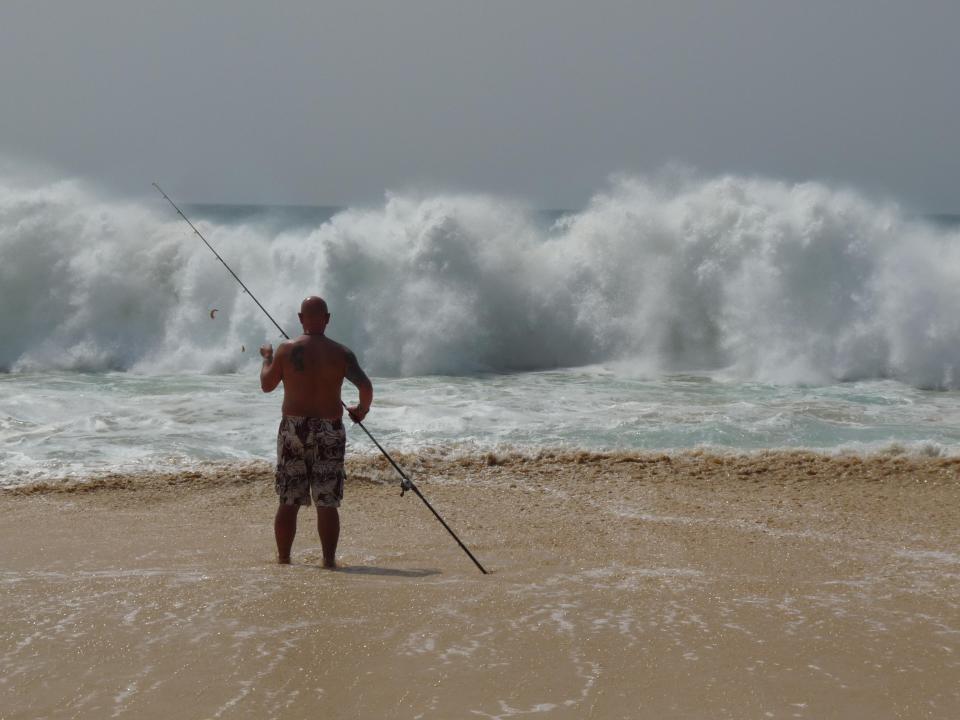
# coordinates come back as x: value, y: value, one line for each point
x: 691, y: 585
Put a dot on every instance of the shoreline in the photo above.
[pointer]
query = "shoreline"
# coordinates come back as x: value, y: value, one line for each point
x: 623, y: 585
x: 890, y: 462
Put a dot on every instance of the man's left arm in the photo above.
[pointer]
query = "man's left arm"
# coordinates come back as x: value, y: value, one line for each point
x: 358, y: 377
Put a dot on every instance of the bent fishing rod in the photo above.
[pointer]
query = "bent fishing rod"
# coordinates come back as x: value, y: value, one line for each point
x: 406, y: 483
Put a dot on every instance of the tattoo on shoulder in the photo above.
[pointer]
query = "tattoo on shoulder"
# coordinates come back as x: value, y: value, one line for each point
x: 297, y: 358
x: 354, y: 373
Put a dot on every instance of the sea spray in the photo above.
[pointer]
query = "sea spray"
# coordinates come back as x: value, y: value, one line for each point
x: 760, y: 279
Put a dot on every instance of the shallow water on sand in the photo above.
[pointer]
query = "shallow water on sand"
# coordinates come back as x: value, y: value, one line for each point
x: 684, y: 588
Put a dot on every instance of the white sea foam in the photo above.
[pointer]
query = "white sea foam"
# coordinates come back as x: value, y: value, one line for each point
x: 761, y: 279
x: 671, y: 313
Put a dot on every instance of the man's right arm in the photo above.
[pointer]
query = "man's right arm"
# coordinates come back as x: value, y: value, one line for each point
x: 358, y: 377
x: 271, y: 372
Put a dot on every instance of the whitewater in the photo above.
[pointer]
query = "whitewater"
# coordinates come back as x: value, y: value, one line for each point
x: 671, y: 312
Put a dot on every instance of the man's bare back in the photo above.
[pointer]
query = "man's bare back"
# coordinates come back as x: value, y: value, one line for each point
x: 312, y: 368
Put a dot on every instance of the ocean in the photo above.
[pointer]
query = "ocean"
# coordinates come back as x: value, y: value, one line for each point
x: 670, y: 313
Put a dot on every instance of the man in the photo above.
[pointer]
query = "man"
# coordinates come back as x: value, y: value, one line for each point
x: 311, y: 441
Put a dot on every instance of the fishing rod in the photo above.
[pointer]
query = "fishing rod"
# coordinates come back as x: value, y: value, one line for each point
x: 406, y: 483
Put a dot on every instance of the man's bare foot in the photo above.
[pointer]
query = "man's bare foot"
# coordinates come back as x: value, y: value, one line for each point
x: 330, y: 564
x: 283, y: 560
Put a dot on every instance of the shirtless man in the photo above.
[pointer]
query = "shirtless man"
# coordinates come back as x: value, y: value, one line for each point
x: 311, y: 441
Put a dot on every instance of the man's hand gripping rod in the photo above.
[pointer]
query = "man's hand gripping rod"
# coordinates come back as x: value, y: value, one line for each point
x: 406, y: 483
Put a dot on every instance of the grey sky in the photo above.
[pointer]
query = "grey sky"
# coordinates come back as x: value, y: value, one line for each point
x: 333, y: 103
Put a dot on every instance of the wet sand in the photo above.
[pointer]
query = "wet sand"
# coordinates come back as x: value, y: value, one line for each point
x: 780, y: 585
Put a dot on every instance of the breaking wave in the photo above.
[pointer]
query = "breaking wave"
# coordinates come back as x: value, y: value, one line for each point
x: 778, y: 282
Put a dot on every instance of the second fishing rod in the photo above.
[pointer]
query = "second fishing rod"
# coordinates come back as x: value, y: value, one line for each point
x: 406, y: 483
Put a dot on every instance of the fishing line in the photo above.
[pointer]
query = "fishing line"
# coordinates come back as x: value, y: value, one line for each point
x: 406, y: 483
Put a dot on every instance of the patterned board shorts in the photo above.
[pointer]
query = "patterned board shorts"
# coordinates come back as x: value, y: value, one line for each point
x: 310, y: 455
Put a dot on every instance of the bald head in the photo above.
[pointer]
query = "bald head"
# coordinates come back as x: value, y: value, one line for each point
x: 314, y: 315
x: 313, y: 306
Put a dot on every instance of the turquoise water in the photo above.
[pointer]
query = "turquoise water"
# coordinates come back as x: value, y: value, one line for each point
x: 59, y: 424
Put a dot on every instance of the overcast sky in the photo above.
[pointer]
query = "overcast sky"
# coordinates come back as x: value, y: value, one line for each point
x: 334, y: 103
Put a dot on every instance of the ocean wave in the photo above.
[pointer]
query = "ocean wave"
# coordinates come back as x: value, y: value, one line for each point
x: 765, y: 280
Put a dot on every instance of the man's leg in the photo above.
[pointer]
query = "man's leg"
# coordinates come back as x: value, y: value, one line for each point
x: 285, y: 529
x: 328, y: 527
